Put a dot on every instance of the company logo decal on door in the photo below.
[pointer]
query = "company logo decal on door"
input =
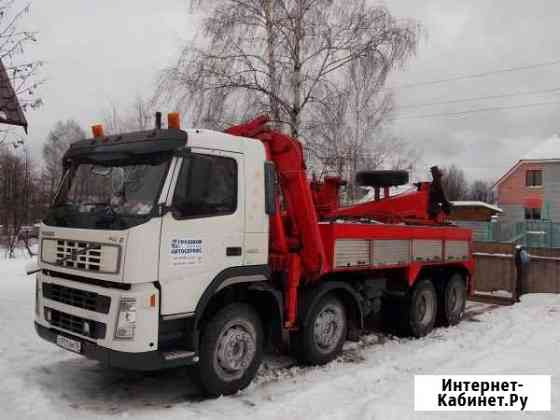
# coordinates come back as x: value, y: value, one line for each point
x: 186, y: 252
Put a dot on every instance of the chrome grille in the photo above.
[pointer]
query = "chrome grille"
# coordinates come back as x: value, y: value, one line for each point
x: 81, y: 255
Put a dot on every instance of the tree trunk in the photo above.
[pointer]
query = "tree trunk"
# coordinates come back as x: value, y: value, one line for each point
x: 295, y: 114
x: 271, y: 54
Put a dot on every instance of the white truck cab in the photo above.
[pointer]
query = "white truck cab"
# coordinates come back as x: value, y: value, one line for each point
x: 145, y: 229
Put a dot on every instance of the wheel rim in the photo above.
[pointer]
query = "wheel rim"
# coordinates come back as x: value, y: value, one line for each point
x: 328, y: 328
x: 425, y: 307
x: 235, y: 350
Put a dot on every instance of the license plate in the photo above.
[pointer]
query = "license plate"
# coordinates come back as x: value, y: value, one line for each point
x: 69, y: 344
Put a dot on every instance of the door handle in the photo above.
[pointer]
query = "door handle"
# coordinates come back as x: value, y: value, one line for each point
x: 233, y: 251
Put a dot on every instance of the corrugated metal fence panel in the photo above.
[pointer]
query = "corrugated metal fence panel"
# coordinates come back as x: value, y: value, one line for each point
x: 504, y: 232
x: 482, y: 231
x: 537, y: 233
x: 555, y: 234
x: 390, y: 252
x: 351, y: 252
x: 531, y: 233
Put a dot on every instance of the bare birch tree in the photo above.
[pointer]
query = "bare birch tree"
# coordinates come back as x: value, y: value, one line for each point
x: 25, y: 74
x: 18, y: 187
x: 137, y: 116
x: 455, y: 183
x: 282, y: 57
x: 348, y: 134
x: 63, y: 134
x: 481, y: 191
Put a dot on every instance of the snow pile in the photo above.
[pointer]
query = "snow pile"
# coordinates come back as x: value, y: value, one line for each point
x: 373, y: 379
x: 497, y: 293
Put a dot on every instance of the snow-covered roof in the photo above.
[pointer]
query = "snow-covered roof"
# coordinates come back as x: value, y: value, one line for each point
x: 476, y: 204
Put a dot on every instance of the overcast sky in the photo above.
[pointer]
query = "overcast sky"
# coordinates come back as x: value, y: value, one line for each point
x: 102, y: 52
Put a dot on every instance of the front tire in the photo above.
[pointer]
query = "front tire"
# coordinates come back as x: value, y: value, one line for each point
x: 231, y: 349
x: 321, y: 340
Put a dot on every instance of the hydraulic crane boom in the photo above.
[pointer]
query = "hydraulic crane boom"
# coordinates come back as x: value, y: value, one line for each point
x: 297, y: 247
x: 296, y: 244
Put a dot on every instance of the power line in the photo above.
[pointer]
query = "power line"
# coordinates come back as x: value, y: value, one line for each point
x: 472, y: 111
x: 478, y: 75
x: 480, y: 98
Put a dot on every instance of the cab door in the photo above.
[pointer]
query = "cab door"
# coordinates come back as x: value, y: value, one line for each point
x: 203, y: 233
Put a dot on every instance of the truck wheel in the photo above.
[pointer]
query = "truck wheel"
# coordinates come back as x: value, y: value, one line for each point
x: 321, y: 340
x: 422, y: 310
x: 231, y: 348
x: 454, y: 300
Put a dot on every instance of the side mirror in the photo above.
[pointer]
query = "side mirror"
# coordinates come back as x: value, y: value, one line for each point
x: 32, y: 267
x: 270, y: 183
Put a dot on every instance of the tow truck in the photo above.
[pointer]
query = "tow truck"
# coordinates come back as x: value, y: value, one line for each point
x: 171, y: 247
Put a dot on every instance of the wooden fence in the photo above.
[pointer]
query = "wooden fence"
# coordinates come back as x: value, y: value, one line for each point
x: 543, y: 275
x: 496, y: 270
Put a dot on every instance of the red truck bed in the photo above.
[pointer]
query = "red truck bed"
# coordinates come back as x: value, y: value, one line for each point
x: 356, y: 246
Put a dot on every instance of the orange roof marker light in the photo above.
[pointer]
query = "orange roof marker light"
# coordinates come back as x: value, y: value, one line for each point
x: 173, y: 120
x: 97, y: 131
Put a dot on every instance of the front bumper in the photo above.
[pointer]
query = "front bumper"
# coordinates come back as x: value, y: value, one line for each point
x: 145, y: 361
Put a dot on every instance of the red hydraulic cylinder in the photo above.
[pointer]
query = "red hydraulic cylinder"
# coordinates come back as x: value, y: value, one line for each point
x: 292, y: 278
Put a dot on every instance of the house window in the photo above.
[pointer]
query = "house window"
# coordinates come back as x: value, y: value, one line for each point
x: 534, y: 178
x: 533, y: 214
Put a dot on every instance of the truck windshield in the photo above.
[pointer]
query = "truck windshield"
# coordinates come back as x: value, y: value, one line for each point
x: 108, y: 196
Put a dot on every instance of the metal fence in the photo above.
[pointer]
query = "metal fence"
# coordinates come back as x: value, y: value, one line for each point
x: 531, y: 233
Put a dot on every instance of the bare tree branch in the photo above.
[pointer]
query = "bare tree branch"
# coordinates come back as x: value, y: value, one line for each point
x: 318, y: 66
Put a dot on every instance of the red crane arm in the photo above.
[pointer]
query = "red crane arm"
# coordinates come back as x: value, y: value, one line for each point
x: 300, y: 226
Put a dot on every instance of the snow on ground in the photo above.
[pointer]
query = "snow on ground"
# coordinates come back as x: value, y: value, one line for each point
x: 497, y: 293
x: 372, y: 380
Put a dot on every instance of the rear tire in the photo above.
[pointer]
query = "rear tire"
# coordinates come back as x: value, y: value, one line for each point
x: 321, y: 340
x: 421, y: 313
x: 453, y: 300
x: 231, y: 348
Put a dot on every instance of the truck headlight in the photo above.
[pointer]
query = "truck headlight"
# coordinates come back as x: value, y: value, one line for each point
x: 126, y: 321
